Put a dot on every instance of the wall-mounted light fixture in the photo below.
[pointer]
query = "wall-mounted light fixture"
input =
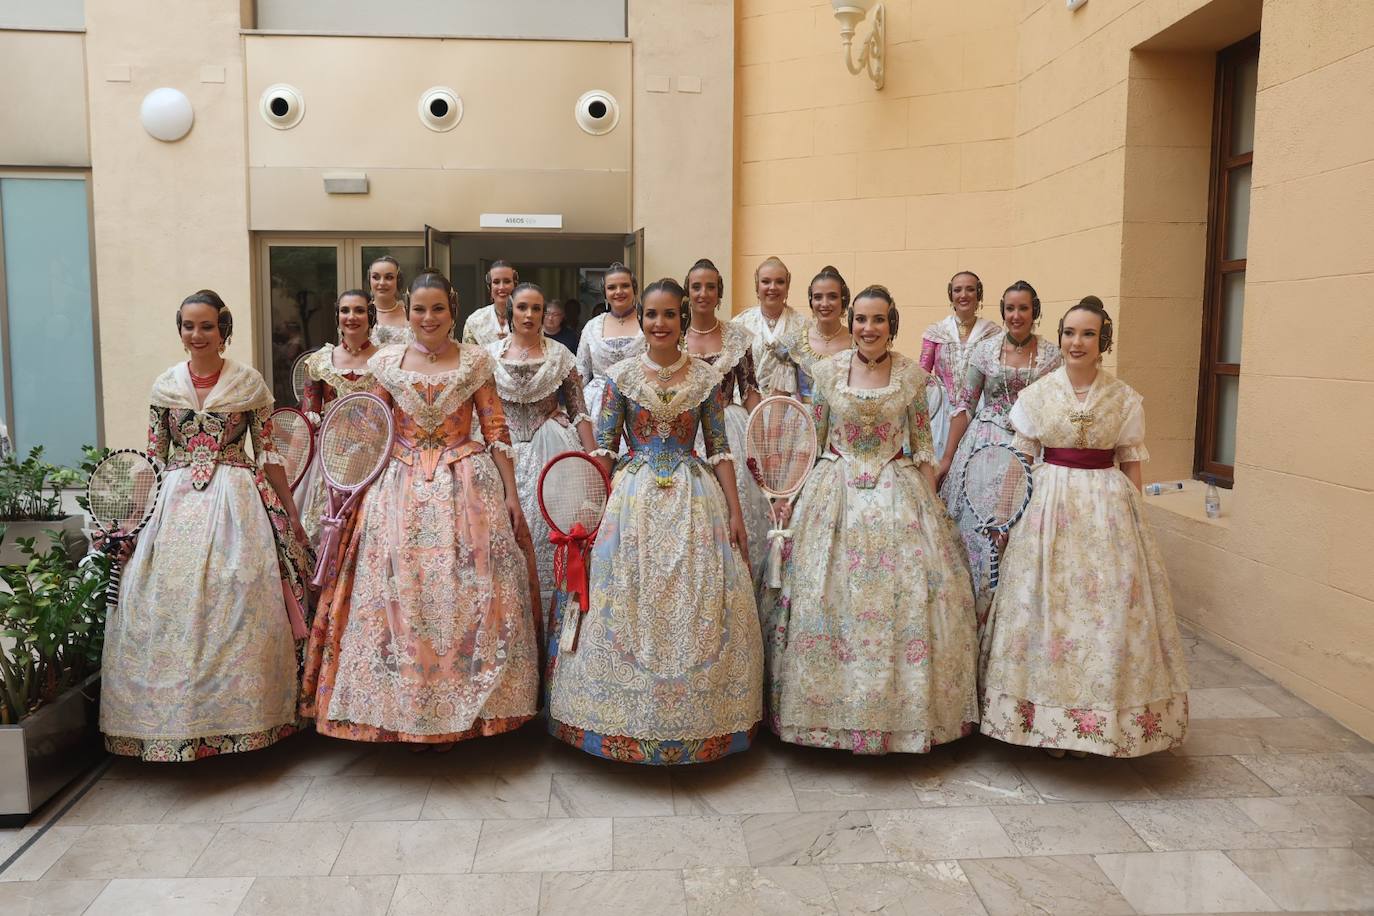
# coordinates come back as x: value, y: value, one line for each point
x: 850, y: 13
x: 166, y: 114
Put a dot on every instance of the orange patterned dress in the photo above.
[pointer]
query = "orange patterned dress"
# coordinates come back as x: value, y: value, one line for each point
x: 427, y: 634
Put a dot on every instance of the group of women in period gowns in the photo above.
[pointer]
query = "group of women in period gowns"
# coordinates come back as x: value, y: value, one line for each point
x: 883, y: 637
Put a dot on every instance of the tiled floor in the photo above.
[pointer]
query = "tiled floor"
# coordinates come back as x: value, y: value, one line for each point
x: 1269, y: 807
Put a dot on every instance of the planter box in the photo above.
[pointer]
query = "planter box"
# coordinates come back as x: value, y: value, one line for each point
x: 47, y: 750
x: 71, y: 528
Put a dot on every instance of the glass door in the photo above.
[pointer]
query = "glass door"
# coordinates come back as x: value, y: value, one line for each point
x: 301, y: 279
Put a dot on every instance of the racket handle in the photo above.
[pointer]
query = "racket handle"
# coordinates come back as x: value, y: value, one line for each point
x: 112, y: 585
x: 774, y: 561
x: 324, y: 556
x: 994, y: 568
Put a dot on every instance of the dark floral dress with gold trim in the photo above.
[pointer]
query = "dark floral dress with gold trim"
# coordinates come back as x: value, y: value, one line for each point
x: 200, y: 656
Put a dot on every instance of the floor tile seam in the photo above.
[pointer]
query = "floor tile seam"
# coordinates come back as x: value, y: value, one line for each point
x: 972, y: 884
x: 1091, y: 859
x: 1190, y: 852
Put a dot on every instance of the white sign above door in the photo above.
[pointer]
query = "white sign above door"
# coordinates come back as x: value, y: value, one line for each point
x: 521, y: 221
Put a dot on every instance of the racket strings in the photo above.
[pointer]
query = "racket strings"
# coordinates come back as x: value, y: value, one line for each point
x: 292, y: 438
x: 995, y: 485
x: 353, y: 441
x: 121, y: 491
x: 572, y: 492
x: 781, y: 441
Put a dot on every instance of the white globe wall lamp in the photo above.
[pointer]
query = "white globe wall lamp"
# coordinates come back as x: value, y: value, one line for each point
x: 166, y: 114
x: 850, y: 13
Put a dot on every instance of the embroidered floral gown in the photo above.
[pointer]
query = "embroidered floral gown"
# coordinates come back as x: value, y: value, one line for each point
x: 1083, y: 650
x: 200, y: 656
x: 945, y: 357
x: 596, y: 355
x: 483, y: 328
x: 323, y: 386
x: 427, y: 633
x: 997, y: 384
x: 735, y: 363
x: 543, y: 403
x: 669, y: 665
x: 773, y: 362
x: 871, y: 645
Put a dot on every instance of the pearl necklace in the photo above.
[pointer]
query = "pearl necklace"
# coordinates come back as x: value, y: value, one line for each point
x: 710, y: 330
x: 394, y: 306
x: 665, y: 373
x: 355, y: 351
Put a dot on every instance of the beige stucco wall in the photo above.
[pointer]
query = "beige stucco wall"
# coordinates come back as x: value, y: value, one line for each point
x: 43, y: 99
x: 1072, y: 148
x: 684, y: 85
x: 170, y: 218
x: 517, y: 148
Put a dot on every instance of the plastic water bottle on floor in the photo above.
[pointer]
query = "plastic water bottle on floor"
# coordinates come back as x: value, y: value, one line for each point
x: 1213, y: 499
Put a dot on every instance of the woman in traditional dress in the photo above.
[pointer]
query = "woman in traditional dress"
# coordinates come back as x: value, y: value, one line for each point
x: 541, y: 394
x: 998, y: 369
x: 489, y: 323
x: 946, y: 345
x: 726, y: 346
x: 668, y: 667
x: 1083, y: 651
x: 330, y: 373
x: 427, y: 634
x: 200, y: 657
x: 386, y: 280
x: 871, y: 644
x: 610, y: 337
x: 826, y: 333
x: 773, y: 323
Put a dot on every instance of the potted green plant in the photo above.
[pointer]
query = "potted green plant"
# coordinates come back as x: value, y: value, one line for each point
x: 52, y: 631
x: 31, y: 502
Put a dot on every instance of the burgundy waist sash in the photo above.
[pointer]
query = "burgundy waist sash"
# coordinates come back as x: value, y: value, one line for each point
x: 1092, y: 459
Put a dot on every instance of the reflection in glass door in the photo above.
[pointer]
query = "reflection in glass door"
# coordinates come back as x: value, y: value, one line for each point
x: 303, y: 283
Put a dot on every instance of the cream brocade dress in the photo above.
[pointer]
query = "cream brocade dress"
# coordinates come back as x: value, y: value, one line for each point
x: 427, y: 633
x: 543, y: 403
x: 199, y: 654
x: 871, y: 646
x: 1083, y: 651
x: 596, y: 355
x: 482, y: 327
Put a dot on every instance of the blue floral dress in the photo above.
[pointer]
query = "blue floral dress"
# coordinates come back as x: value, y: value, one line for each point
x: 669, y: 663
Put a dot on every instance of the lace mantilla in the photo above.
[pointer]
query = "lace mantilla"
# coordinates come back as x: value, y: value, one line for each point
x: 240, y: 388
x: 665, y: 405
x: 946, y: 331
x: 456, y: 385
x: 320, y: 367
x: 558, y: 361
x: 735, y: 341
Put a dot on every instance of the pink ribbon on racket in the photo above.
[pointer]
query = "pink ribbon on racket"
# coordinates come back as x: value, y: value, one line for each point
x: 570, y: 562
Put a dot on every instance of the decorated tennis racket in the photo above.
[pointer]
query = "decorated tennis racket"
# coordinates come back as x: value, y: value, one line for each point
x: 294, y: 439
x: 780, y: 450
x: 355, y: 444
x: 122, y: 493
x: 298, y: 374
x: 935, y: 395
x: 573, y: 489
x: 997, y: 488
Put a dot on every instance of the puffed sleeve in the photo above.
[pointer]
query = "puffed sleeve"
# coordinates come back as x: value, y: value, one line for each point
x: 929, y: 350
x: 491, y: 417
x: 919, y: 440
x: 1130, y: 445
x: 573, y: 398
x: 159, y: 432
x: 584, y: 351
x: 712, y: 413
x: 312, y: 399
x: 1026, y: 434
x: 610, y: 422
x: 969, y: 389
x: 260, y: 434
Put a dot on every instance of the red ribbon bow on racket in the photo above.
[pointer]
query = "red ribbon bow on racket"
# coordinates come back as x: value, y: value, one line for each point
x: 570, y: 554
